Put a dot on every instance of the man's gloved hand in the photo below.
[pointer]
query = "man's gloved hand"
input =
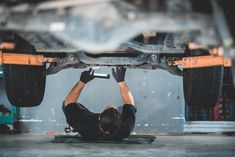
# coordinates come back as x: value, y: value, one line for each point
x: 87, y: 76
x: 119, y: 74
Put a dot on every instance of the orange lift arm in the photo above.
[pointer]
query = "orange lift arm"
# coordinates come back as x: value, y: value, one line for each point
x: 25, y: 59
x: 185, y: 62
x: 203, y: 61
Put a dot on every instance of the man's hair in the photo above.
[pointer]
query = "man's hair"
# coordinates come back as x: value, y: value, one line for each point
x: 110, y: 121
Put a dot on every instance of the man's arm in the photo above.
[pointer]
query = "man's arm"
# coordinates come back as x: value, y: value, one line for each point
x: 75, y: 92
x: 126, y: 93
x: 119, y: 76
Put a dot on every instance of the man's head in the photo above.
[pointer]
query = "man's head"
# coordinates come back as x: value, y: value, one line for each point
x: 110, y: 121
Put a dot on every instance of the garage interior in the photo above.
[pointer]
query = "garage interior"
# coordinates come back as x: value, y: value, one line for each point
x: 162, y: 112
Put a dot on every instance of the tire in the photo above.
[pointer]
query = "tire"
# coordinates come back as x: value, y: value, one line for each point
x: 25, y: 85
x: 228, y: 87
x: 233, y: 72
x: 202, y: 86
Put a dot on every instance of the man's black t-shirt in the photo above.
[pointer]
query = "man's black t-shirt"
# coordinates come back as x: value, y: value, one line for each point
x: 86, y: 122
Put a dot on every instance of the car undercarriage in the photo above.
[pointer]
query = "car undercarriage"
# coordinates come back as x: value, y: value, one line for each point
x: 152, y: 34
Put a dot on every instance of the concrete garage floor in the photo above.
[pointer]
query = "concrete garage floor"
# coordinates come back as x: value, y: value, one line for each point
x: 29, y: 145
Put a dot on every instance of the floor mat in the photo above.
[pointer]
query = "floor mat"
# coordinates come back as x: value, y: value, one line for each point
x: 132, y: 139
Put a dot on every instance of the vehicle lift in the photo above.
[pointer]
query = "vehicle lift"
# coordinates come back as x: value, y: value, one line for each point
x: 185, y: 62
x: 40, y: 60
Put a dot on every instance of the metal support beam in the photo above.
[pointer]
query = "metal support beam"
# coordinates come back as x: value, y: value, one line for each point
x: 153, y: 48
x: 39, y: 60
x: 209, y: 126
x: 222, y: 25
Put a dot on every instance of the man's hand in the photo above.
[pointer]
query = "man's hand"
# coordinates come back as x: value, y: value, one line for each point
x: 87, y: 76
x: 119, y: 74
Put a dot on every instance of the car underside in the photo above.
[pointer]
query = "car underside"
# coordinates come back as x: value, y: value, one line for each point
x: 150, y: 34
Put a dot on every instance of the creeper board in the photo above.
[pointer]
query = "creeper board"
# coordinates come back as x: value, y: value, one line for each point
x: 132, y: 139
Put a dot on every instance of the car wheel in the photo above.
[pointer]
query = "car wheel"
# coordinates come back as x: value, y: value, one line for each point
x: 202, y: 86
x: 233, y: 72
x: 228, y: 88
x: 25, y: 85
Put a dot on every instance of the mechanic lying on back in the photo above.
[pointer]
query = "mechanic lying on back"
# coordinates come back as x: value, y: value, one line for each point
x: 109, y: 124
